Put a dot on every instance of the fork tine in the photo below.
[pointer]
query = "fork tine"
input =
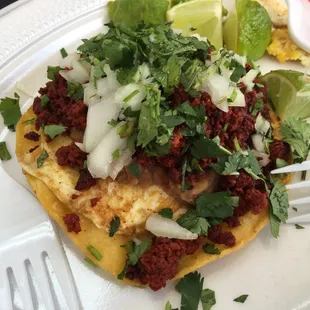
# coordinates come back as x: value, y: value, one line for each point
x: 302, y: 184
x: 64, y: 276
x: 299, y: 201
x: 5, y: 292
x: 41, y: 276
x: 20, y: 274
x: 293, y: 168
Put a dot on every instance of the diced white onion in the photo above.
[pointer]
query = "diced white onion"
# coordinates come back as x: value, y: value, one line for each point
x: 217, y: 86
x: 103, y: 87
x: 98, y: 116
x: 163, y: 227
x: 87, y: 65
x: 113, y: 83
x: 265, y: 160
x: 77, y: 75
x: 67, y: 61
x: 100, y: 159
x: 135, y: 102
x: 258, y: 142
x: 261, y: 125
x: 248, y: 79
x: 118, y: 164
x: 80, y: 146
x: 144, y: 72
x: 238, y: 100
x: 90, y: 94
x: 223, y: 106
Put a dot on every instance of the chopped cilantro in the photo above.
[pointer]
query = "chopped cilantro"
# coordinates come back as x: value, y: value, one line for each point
x: 76, y: 91
x: 211, y: 249
x: 130, y: 96
x: 90, y: 262
x: 166, y: 213
x: 295, y: 209
x: 187, y: 109
x: 197, y: 225
x: 296, y: 132
x: 205, y: 147
x: 51, y: 72
x: 297, y: 226
x: 190, y: 288
x: 169, y: 307
x: 94, y: 252
x: 274, y: 224
x: 241, y: 298
x: 238, y: 72
x: 113, y: 122
x: 54, y: 130
x: 207, y: 299
x: 10, y: 111
x: 4, y: 153
x: 134, y: 170
x: 41, y: 158
x: 279, y: 201
x: 85, y: 164
x: 126, y: 129
x: 173, y: 120
x: 130, y: 113
x: 134, y: 252
x: 114, y: 225
x: 218, y: 205
x: 63, y: 53
x: 116, y: 154
x: 192, y: 29
x: 29, y: 121
x: 44, y: 100
x: 258, y: 106
x: 280, y: 163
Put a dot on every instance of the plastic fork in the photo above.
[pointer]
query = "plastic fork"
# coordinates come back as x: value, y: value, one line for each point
x: 27, y: 234
x: 304, y: 166
x: 299, y: 22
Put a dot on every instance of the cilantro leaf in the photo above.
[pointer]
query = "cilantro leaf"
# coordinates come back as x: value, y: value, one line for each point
x: 238, y: 72
x: 241, y: 298
x: 297, y: 226
x: 134, y: 170
x: 173, y: 120
x: 122, y: 274
x: 253, y: 163
x: 114, y: 225
x: 190, y: 78
x: 136, y: 251
x: 44, y: 100
x: 10, y: 111
x: 279, y: 201
x: 258, y: 106
x: 211, y: 249
x: 54, y: 130
x: 296, y: 132
x: 51, y: 72
x: 149, y: 119
x: 219, y: 205
x: 274, y: 224
x: 76, y: 91
x: 208, y: 299
x: 41, y: 158
x: 166, y: 213
x: 190, y: 288
x: 29, y: 121
x: 205, y: 147
x: 173, y: 69
x: 63, y: 53
x: 197, y: 225
x: 187, y: 109
x: 4, y: 153
x: 94, y: 252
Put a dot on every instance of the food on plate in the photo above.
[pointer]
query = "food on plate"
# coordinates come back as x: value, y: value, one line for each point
x: 151, y: 149
x: 247, y: 29
x: 284, y: 49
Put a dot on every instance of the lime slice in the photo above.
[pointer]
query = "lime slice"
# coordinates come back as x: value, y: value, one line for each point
x: 289, y: 91
x: 199, y: 16
x: 247, y: 30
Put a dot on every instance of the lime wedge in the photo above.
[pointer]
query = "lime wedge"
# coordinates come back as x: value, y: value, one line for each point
x: 289, y: 91
x: 247, y: 30
x: 203, y: 17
